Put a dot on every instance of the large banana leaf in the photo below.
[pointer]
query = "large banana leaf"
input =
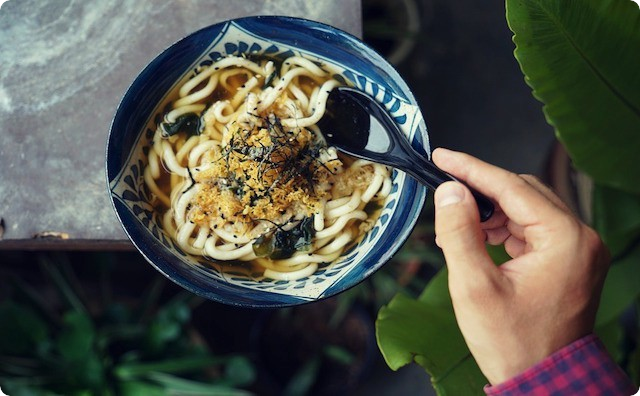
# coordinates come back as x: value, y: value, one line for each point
x: 425, y: 331
x: 582, y: 59
x: 616, y: 217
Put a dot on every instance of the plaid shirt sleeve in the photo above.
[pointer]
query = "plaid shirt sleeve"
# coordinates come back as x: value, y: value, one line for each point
x: 581, y: 368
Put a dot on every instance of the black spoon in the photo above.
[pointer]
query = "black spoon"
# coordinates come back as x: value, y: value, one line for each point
x: 356, y: 124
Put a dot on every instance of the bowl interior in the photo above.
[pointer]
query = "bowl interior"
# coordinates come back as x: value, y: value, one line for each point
x: 277, y: 37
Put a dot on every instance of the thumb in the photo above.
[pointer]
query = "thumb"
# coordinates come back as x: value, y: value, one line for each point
x: 458, y: 233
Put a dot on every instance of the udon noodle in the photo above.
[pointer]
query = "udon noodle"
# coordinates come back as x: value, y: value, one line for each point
x: 242, y: 172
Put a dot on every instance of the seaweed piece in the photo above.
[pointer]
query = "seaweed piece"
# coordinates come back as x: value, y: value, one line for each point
x: 188, y: 123
x: 282, y: 244
x: 269, y: 79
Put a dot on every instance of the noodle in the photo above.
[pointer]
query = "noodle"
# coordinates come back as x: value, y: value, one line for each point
x: 241, y: 171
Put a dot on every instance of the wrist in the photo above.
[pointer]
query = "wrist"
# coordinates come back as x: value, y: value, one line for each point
x: 520, y: 356
x: 582, y: 367
x: 501, y: 371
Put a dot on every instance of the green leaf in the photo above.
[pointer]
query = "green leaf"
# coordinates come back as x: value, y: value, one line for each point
x: 426, y: 331
x: 150, y: 298
x: 621, y: 287
x: 180, y: 386
x: 384, y: 286
x: 611, y: 335
x: 437, y: 291
x: 581, y: 59
x: 406, y: 327
x: 167, y: 325
x: 338, y: 354
x: 302, y: 381
x: 464, y: 379
x: 159, y: 333
x: 131, y: 370
x: 52, y: 268
x: 498, y: 254
x: 85, y: 373
x: 344, y: 304
x: 139, y: 388
x: 616, y: 217
x: 76, y: 337
x: 82, y: 368
x: 21, y: 329
x: 239, y: 371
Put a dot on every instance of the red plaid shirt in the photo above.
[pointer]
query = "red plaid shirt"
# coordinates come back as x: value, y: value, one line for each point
x: 581, y: 368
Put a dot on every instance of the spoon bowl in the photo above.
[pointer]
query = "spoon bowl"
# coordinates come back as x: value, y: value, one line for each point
x: 357, y: 125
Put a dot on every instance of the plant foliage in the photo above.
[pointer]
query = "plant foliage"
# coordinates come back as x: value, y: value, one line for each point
x: 581, y: 57
x: 117, y: 349
x: 424, y: 330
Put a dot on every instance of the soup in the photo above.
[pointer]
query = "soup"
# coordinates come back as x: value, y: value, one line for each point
x: 241, y: 172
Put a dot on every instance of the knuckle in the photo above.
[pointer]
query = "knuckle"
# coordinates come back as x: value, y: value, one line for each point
x: 534, y: 181
x: 530, y: 178
x: 519, y: 182
x: 569, y: 224
x: 591, y: 237
x: 453, y: 222
x: 455, y: 225
x: 595, y: 247
x: 457, y: 233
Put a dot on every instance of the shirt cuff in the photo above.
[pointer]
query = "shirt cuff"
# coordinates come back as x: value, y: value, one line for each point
x: 583, y: 367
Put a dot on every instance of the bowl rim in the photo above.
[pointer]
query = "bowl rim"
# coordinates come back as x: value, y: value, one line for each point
x: 149, y: 251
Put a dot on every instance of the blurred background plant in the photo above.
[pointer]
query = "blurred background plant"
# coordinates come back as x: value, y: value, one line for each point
x: 64, y: 335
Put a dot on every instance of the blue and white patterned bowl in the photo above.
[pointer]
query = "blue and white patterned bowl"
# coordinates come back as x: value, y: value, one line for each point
x: 139, y: 112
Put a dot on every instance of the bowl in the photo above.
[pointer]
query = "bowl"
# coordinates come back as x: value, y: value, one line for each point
x: 277, y: 37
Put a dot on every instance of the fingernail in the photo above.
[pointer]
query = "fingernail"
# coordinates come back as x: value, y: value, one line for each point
x: 448, y: 194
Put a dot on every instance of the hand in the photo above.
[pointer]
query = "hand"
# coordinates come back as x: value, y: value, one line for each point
x: 514, y: 315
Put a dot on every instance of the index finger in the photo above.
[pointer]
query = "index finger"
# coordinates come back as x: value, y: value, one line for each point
x: 519, y: 200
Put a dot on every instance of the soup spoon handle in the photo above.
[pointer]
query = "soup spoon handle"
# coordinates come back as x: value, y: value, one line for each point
x: 427, y: 173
